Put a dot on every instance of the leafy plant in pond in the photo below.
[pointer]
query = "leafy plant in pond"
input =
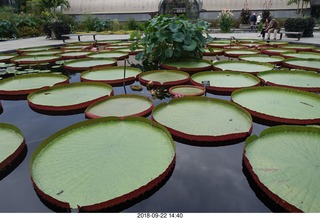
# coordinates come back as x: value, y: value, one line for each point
x: 170, y: 38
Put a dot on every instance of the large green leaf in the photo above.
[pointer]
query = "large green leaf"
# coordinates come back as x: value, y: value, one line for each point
x: 102, y: 162
x: 178, y: 37
x: 284, y: 163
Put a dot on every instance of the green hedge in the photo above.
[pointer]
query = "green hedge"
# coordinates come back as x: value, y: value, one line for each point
x: 7, y: 29
x: 300, y: 24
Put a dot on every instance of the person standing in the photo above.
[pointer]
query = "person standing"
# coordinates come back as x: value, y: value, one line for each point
x: 253, y: 21
x: 259, y: 19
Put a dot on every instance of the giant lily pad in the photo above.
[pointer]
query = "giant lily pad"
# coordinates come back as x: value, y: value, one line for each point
x: 114, y: 55
x: 299, y: 47
x: 186, y: 90
x: 305, y: 64
x: 219, y: 43
x: 22, y: 85
x: 280, y: 105
x: 284, y: 163
x: 301, y: 55
x: 70, y: 97
x: 275, y: 51
x: 235, y: 53
x: 188, y: 65
x: 303, y: 80
x: 203, y: 119
x: 275, y: 60
x: 87, y: 63
x: 75, y: 54
x: 114, y: 76
x: 35, y: 59
x: 224, y: 82
x: 34, y: 49
x: 12, y: 143
x: 5, y: 57
x: 243, y: 66
x: 120, y: 106
x: 164, y: 77
x: 44, y: 52
x: 101, y: 163
x: 213, y: 51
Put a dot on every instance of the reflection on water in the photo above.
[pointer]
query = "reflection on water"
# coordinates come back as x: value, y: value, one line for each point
x: 205, y: 179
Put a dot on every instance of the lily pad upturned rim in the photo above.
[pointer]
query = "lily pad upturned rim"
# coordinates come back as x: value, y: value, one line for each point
x: 116, y: 82
x: 246, y: 162
x: 140, y: 114
x: 215, y: 52
x: 274, y: 51
x: 18, y: 151
x: 65, y: 80
x: 310, y: 89
x: 286, y: 64
x: 8, y: 55
x: 39, y: 48
x: 223, y: 90
x: 201, y: 90
x: 74, y: 55
x: 243, y: 57
x: 235, y: 53
x: 116, y: 201
x: 51, y: 59
x: 167, y: 83
x: 205, y: 138
x: 271, y: 66
x: 167, y: 65
x: 120, y: 55
x: 277, y: 119
x: 299, y: 47
x: 113, y: 62
x: 288, y: 56
x: 80, y: 106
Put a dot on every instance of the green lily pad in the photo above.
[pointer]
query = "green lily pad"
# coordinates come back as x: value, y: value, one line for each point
x: 284, y: 164
x: 188, y: 65
x: 213, y: 51
x: 235, y: 53
x: 305, y: 64
x: 101, y: 163
x: 114, y: 76
x: 224, y: 82
x: 242, y: 66
x: 34, y: 49
x: 87, y: 63
x: 304, y: 80
x: 195, y: 119
x: 70, y: 97
x: 301, y: 55
x: 164, y: 77
x: 186, y: 90
x: 262, y: 58
x: 219, y: 43
x: 114, y: 55
x: 35, y: 59
x: 75, y: 54
x: 12, y: 144
x: 24, y: 84
x: 299, y: 47
x: 44, y: 52
x: 120, y: 106
x: 280, y: 105
x: 5, y: 57
x: 275, y: 51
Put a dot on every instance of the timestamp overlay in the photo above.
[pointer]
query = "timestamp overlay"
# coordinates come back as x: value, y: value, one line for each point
x: 159, y: 215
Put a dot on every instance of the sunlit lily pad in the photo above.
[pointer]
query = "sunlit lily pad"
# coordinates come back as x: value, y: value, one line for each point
x: 284, y: 163
x: 22, y: 85
x: 224, y: 82
x: 120, y: 106
x: 299, y: 47
x: 34, y: 49
x: 219, y: 43
x: 5, y: 57
x: 44, y: 52
x: 114, y: 55
x: 275, y: 60
x: 275, y: 51
x: 70, y: 97
x: 305, y: 64
x: 303, y: 80
x: 243, y: 66
x: 188, y: 65
x: 114, y: 76
x: 280, y: 105
x: 12, y: 143
x: 87, y: 63
x: 75, y: 54
x: 35, y: 59
x: 301, y: 55
x: 101, y: 163
x: 203, y: 119
x: 235, y: 53
x: 164, y: 77
x: 186, y: 90
x: 213, y: 51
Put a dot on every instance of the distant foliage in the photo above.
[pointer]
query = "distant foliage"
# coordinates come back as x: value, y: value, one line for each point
x: 225, y: 21
x: 244, y: 16
x: 7, y: 29
x: 27, y: 31
x: 299, y: 24
x: 56, y: 29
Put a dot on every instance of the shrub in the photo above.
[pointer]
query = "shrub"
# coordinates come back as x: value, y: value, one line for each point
x: 244, y: 16
x: 116, y: 25
x: 7, y: 29
x: 299, y: 24
x: 89, y: 22
x: 225, y: 21
x: 26, y: 31
x: 170, y: 38
x: 134, y: 25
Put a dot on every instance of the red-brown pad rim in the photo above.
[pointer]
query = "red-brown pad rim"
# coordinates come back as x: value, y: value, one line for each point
x: 51, y: 60
x: 201, y: 89
x: 284, y: 63
x: 167, y: 83
x: 191, y: 70
x: 113, y: 63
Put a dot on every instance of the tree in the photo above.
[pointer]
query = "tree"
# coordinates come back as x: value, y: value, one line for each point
x: 301, y: 6
x: 52, y: 6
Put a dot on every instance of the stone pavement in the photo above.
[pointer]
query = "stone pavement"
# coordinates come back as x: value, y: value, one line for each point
x: 12, y: 45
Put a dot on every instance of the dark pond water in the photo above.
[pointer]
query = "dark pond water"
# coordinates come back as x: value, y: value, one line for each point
x: 205, y: 179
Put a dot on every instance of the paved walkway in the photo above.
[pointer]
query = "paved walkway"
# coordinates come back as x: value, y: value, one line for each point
x: 12, y: 45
